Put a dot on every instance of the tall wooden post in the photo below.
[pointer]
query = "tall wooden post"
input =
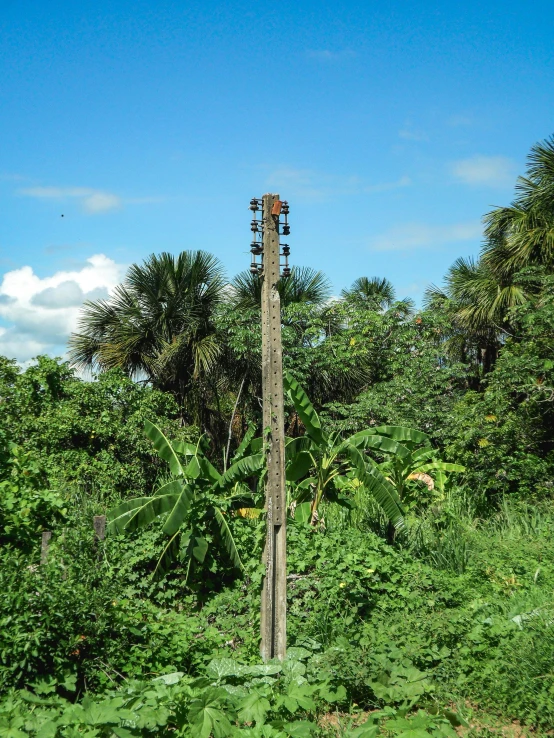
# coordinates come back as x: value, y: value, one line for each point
x: 274, y: 592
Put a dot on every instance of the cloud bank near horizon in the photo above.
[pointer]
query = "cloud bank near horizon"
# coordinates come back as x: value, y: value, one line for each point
x: 38, y: 314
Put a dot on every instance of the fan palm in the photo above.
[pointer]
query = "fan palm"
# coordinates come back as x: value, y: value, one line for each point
x: 375, y: 293
x: 479, y: 301
x: 483, y: 299
x: 522, y: 234
x: 372, y: 291
x: 304, y: 285
x: 304, y: 298
x: 158, y: 324
x: 480, y: 294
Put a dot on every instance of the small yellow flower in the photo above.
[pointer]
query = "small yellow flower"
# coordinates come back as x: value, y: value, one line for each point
x: 342, y: 584
x: 352, y: 341
x: 370, y: 571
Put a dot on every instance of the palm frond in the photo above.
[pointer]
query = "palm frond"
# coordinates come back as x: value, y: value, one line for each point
x: 304, y: 285
x: 374, y: 292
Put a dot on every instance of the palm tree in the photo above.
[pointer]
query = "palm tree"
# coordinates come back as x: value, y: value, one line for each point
x: 522, y: 234
x: 372, y: 291
x: 483, y: 298
x: 305, y: 288
x: 480, y: 294
x: 375, y: 293
x: 479, y: 301
x: 304, y: 285
x: 158, y: 324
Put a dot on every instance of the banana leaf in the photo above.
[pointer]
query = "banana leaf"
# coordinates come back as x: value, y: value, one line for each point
x: 248, y: 436
x: 164, y: 448
x: 299, y: 466
x: 179, y: 513
x: 368, y: 439
x: 305, y: 409
x: 227, y: 538
x: 400, y: 433
x: 241, y: 470
x: 378, y: 485
x: 136, y: 513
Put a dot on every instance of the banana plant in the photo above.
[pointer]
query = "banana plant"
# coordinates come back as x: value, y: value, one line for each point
x: 420, y: 465
x: 193, y: 505
x: 321, y: 465
x: 317, y: 462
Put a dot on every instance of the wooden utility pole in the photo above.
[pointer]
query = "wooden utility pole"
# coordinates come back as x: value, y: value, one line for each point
x: 274, y: 592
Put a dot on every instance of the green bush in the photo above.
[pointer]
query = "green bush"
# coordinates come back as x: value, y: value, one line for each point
x: 27, y: 506
x: 88, y: 437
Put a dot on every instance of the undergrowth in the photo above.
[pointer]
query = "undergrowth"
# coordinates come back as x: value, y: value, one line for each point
x: 404, y: 628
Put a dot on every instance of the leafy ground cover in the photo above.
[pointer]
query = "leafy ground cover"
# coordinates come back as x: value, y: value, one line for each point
x: 449, y: 624
x: 375, y: 627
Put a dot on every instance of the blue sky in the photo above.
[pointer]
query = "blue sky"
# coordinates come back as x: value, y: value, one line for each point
x: 391, y: 128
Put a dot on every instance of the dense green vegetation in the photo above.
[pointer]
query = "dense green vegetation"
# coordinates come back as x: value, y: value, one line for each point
x: 420, y: 473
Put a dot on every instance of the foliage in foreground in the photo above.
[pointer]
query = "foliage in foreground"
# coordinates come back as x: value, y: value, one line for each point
x: 272, y: 700
x: 393, y: 631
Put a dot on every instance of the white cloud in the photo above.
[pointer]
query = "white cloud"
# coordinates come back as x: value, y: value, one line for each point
x: 488, y: 171
x: 39, y: 313
x: 92, y: 201
x: 386, y: 186
x: 410, y: 135
x: 311, y: 185
x: 457, y: 121
x: 66, y: 294
x: 100, y: 202
x: 413, y: 290
x: 326, y: 55
x: 412, y: 236
x: 10, y: 177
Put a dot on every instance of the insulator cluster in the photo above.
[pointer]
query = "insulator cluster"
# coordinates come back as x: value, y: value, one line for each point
x: 285, y: 269
x: 285, y: 213
x: 257, y: 228
x: 281, y: 209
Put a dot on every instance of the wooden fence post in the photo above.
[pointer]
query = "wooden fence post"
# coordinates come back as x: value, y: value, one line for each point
x: 99, y: 524
x: 44, y: 545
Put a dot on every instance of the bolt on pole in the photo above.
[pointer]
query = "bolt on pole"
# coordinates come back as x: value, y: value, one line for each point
x: 274, y: 591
